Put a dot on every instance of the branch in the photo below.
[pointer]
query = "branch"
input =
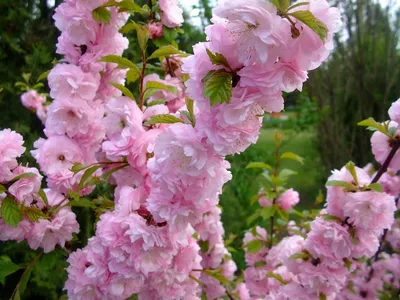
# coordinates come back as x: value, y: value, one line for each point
x: 386, y: 163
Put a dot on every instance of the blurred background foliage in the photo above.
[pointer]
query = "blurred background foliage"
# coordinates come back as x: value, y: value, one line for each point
x: 361, y: 79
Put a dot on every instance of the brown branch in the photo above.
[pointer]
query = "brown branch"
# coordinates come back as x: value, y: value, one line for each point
x: 385, y: 165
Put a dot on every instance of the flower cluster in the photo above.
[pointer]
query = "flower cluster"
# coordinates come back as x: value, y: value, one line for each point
x: 34, y: 101
x: 44, y: 220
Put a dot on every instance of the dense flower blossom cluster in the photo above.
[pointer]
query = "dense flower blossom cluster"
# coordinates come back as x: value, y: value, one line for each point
x: 164, y: 237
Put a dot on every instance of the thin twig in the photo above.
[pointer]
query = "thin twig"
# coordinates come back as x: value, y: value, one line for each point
x: 386, y: 163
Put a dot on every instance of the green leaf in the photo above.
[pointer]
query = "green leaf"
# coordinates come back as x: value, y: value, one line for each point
x: 89, y: 172
x: 353, y: 235
x: 286, y: 173
x: 218, y: 87
x: 253, y: 217
x: 131, y: 7
x: 311, y: 21
x: 283, y: 214
x: 254, y: 246
x: 102, y: 15
x: 375, y: 187
x: 77, y: 167
x: 292, y: 156
x: 258, y: 165
x: 345, y: 184
x: 164, y: 119
x: 204, y: 246
x: 7, y: 267
x: 217, y: 275
x: 123, y: 89
x: 133, y: 74
x: 161, y: 86
x: 282, y: 5
x: 190, y: 107
x: 278, y: 138
x: 156, y: 102
x: 112, y: 171
x: 322, y: 296
x: 277, y: 277
x: 218, y: 59
x: 34, y: 214
x: 351, y: 167
x: 10, y: 212
x: 22, y: 176
x: 2, y: 189
x: 128, y: 27
x: 370, y: 122
x: 123, y: 63
x: 300, y: 255
x: 347, y: 263
x: 268, y: 212
x: 259, y: 264
x: 43, y: 75
x: 82, y: 202
x: 298, y: 4
x: 43, y: 195
x: 255, y: 198
x: 24, y: 281
x: 166, y: 51
x: 143, y: 36
x: 328, y: 217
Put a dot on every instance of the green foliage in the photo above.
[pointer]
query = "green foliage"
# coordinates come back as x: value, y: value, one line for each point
x: 218, y: 86
x: 311, y: 21
x: 10, y: 212
x: 163, y: 119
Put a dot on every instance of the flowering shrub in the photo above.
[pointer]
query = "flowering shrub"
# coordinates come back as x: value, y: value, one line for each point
x: 161, y: 235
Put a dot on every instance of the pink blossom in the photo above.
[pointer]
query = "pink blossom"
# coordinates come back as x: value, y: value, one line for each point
x: 41, y: 113
x: 261, y: 235
x: 242, y: 291
x: 155, y: 30
x: 49, y: 233
x: 25, y: 188
x: 336, y: 196
x: 308, y: 49
x: 329, y: 241
x: 69, y: 117
x: 70, y: 82
x: 19, y: 233
x: 171, y: 13
x: 367, y: 243
x: 370, y: 210
x: 390, y: 183
x: 288, y: 199
x: 394, y: 111
x: 10, y: 148
x: 32, y: 100
x: 57, y: 154
x: 258, y: 32
x: 281, y: 253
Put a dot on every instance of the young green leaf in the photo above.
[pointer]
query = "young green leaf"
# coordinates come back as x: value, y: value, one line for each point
x: 34, y: 214
x: 123, y: 63
x: 328, y: 217
x: 89, y: 172
x: 128, y: 27
x: 345, y: 184
x: 259, y: 264
x: 351, y: 167
x: 112, y: 171
x: 133, y: 74
x: 43, y: 75
x: 217, y: 275
x: 190, y: 107
x: 268, y: 212
x: 102, y: 15
x: 311, y: 21
x: 258, y: 165
x: 161, y: 86
x: 2, y: 189
x: 123, y: 89
x: 282, y: 5
x: 254, y: 246
x: 375, y: 187
x: 22, y: 176
x: 371, y: 123
x: 285, y: 174
x: 143, y: 36
x: 218, y: 59
x: 10, y: 212
x: 292, y: 156
x: 347, y: 262
x: 253, y: 217
x: 7, y: 267
x: 163, y: 119
x: 166, y: 51
x: 218, y: 87
x: 43, y: 195
x: 77, y: 167
x: 277, y: 277
x: 300, y: 255
x: 156, y: 102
